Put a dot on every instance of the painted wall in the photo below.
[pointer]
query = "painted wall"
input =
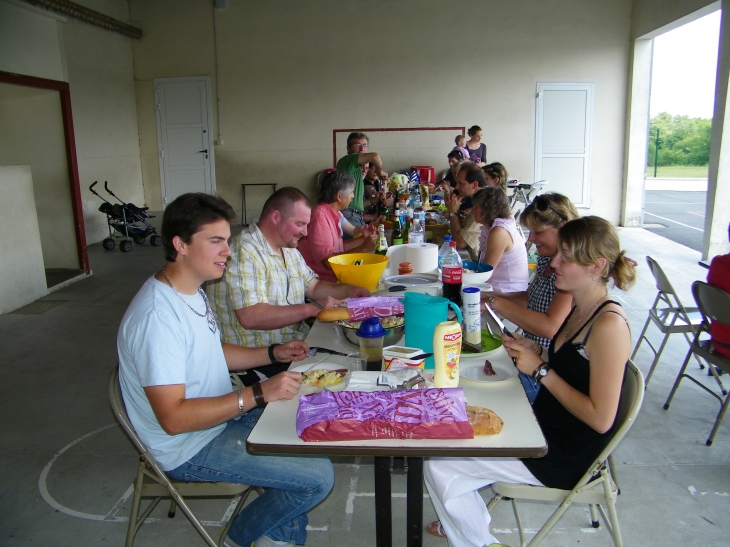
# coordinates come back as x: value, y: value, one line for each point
x: 290, y: 72
x: 651, y: 15
x: 33, y: 134
x: 22, y: 279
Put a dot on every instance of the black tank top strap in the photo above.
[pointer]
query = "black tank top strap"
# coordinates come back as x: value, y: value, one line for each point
x: 596, y: 314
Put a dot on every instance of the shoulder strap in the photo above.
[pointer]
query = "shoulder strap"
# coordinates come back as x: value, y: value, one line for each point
x: 595, y: 316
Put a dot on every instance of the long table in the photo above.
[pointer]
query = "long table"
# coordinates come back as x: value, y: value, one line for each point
x: 521, y: 437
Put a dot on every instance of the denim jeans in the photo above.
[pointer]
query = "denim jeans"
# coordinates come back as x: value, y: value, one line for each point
x: 531, y: 386
x: 294, y: 484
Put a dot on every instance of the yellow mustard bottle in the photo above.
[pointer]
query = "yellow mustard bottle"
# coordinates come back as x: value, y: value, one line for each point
x: 446, y: 351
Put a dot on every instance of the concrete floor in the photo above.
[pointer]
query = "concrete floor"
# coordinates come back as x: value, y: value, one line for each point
x: 65, y: 467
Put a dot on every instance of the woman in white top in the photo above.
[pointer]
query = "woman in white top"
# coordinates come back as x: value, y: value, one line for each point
x: 501, y: 243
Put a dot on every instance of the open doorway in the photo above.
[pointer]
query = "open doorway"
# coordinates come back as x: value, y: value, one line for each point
x: 684, y: 66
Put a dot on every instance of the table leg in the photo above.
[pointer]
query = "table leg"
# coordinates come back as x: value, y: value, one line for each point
x: 414, y: 502
x: 383, y: 513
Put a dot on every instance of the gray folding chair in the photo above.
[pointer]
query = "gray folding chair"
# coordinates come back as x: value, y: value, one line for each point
x: 152, y: 482
x: 714, y: 305
x: 596, y: 488
x: 669, y: 316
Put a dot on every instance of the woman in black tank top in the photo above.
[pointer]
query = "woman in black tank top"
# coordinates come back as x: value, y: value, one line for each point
x: 581, y: 374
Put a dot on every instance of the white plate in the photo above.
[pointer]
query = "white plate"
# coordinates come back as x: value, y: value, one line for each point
x: 472, y: 368
x: 327, y: 366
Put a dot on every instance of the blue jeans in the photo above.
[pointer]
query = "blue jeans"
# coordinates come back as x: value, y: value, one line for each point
x: 531, y: 386
x: 294, y: 484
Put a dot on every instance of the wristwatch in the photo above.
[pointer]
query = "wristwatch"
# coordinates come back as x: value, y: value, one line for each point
x: 453, y: 215
x: 540, y: 372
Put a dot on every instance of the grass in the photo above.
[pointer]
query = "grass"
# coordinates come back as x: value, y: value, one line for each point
x: 678, y: 171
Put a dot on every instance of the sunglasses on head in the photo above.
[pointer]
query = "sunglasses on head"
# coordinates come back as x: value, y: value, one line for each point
x: 542, y: 205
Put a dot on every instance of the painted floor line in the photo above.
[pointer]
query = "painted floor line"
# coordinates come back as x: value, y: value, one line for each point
x: 674, y: 221
x: 696, y: 214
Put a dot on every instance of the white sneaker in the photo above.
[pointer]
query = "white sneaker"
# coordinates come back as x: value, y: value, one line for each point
x: 265, y: 541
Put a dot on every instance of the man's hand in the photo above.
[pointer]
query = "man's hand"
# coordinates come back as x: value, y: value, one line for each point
x: 353, y: 291
x: 295, y: 350
x: 282, y: 386
x: 453, y: 202
x: 369, y: 229
x: 327, y: 302
x: 369, y: 243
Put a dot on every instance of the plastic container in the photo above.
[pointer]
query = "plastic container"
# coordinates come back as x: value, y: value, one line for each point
x: 371, y: 334
x: 444, y: 249
x: 426, y: 173
x: 423, y: 312
x: 446, y: 353
x: 451, y: 274
x: 470, y: 309
x: 405, y: 268
x: 366, y: 273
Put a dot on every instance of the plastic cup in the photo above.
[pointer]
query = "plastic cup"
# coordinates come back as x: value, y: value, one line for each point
x: 357, y: 361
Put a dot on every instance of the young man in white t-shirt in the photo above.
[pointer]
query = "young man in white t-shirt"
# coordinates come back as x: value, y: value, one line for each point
x: 174, y: 377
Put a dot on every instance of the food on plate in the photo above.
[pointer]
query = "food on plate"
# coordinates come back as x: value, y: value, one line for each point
x: 334, y: 314
x: 467, y: 270
x: 488, y: 368
x: 323, y: 377
x: 483, y: 420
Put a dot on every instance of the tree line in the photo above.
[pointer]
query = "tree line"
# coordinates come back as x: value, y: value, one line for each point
x: 682, y: 140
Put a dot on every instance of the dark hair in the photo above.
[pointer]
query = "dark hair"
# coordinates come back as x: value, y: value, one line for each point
x: 497, y: 171
x: 492, y: 203
x: 590, y: 238
x: 332, y: 184
x: 352, y: 136
x: 474, y: 173
x: 185, y: 216
x: 549, y: 209
x: 455, y: 154
x: 282, y: 200
x: 473, y: 129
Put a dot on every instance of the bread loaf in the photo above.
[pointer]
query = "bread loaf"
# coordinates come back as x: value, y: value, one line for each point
x: 483, y: 420
x: 339, y: 313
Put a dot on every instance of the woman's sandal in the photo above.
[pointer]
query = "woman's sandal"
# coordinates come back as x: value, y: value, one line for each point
x: 435, y: 529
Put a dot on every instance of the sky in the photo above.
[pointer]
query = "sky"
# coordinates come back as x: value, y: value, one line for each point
x: 683, y: 70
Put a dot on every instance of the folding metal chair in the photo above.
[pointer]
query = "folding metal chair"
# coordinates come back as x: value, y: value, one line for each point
x: 152, y: 482
x: 669, y: 316
x: 714, y: 305
x: 596, y: 488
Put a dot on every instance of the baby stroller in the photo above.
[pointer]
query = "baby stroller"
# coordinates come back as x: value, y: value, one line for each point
x: 123, y: 218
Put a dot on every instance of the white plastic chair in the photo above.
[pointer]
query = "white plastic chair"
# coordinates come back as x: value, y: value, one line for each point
x: 597, y: 487
x: 714, y: 305
x: 152, y: 482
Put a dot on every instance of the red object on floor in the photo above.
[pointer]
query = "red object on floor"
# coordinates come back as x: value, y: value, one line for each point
x: 425, y: 172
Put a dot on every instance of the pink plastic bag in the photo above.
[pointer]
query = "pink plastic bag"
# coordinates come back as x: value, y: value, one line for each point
x: 374, y: 306
x: 403, y: 414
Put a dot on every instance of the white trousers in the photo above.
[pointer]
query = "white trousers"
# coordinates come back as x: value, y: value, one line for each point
x: 454, y: 483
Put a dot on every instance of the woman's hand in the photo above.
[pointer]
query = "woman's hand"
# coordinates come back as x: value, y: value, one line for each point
x: 295, y: 350
x: 523, y: 351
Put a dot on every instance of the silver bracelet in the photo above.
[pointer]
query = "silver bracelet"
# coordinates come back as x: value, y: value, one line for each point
x: 240, y: 402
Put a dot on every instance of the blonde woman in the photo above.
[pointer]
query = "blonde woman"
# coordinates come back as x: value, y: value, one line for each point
x: 581, y: 374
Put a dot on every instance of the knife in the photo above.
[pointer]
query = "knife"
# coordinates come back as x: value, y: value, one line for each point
x: 330, y: 351
x: 498, y: 320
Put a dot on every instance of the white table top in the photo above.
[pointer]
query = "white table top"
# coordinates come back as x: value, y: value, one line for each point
x: 521, y: 436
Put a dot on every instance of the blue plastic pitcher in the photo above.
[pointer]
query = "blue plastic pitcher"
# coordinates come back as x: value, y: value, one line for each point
x: 422, y: 313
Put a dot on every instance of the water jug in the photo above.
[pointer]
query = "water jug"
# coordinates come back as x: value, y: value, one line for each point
x: 422, y: 313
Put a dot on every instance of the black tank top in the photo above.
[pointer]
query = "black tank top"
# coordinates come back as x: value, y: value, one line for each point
x: 573, y: 446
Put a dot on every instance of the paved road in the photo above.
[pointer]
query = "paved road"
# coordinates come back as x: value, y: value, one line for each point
x: 679, y: 216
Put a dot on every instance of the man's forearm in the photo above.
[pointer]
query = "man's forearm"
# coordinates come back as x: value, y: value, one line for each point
x: 243, y: 358
x: 456, y: 232
x: 268, y: 316
x: 323, y: 289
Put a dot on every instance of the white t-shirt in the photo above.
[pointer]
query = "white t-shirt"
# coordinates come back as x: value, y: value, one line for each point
x: 162, y: 342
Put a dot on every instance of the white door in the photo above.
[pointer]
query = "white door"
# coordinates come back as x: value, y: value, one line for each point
x: 184, y: 136
x: 564, y: 115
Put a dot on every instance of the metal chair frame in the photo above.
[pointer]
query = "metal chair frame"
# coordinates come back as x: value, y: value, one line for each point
x: 670, y: 316
x: 597, y: 487
x: 152, y: 482
x: 714, y: 304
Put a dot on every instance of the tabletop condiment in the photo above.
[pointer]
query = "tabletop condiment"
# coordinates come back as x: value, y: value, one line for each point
x: 446, y: 352
x: 405, y: 268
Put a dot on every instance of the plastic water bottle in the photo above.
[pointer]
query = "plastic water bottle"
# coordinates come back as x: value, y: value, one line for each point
x: 451, y: 274
x: 443, y: 250
x: 417, y: 233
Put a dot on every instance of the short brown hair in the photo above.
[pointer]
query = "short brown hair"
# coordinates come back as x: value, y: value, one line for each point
x: 283, y: 200
x: 474, y: 173
x: 497, y: 171
x: 492, y: 203
x: 352, y: 136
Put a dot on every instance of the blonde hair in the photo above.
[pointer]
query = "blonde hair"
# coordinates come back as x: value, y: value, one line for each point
x: 497, y: 171
x: 590, y: 238
x: 549, y: 209
x: 458, y: 138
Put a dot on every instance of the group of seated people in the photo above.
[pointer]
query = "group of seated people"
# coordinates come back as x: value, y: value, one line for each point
x: 178, y: 343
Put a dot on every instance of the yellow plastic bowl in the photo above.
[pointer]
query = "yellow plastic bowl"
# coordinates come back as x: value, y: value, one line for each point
x: 366, y: 274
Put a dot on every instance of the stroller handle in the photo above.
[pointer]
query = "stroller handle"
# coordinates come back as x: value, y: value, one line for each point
x: 92, y: 185
x: 107, y: 188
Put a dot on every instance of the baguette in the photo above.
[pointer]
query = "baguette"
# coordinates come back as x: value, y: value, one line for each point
x: 483, y: 420
x: 339, y: 313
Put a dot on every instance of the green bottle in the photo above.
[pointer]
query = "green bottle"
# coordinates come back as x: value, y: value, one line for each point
x: 382, y: 247
x: 397, y: 236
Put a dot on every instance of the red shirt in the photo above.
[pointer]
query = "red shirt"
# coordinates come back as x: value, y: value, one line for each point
x: 324, y: 238
x: 719, y: 276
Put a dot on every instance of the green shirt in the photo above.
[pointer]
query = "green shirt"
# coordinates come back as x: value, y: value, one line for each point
x: 349, y: 164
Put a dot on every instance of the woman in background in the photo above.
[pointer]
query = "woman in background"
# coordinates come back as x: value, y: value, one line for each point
x: 496, y: 174
x: 476, y: 148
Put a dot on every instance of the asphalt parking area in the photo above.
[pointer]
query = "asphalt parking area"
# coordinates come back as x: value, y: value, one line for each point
x: 678, y: 216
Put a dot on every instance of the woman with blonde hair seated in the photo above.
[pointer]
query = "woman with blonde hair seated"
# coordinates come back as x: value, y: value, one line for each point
x: 581, y: 373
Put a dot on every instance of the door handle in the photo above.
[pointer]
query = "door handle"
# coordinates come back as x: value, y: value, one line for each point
x: 204, y: 151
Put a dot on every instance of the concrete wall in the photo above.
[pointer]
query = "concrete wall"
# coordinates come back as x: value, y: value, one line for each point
x: 22, y: 279
x: 648, y: 16
x: 289, y: 72
x: 33, y: 134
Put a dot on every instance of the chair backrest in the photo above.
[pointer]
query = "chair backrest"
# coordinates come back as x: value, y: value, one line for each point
x: 660, y: 278
x: 713, y: 302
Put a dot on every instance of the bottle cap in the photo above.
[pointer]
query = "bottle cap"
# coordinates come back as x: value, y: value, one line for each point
x: 371, y: 328
x: 452, y: 244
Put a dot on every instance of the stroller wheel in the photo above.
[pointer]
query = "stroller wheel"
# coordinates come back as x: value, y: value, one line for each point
x: 125, y: 246
x: 108, y: 244
x: 139, y: 240
x: 156, y: 240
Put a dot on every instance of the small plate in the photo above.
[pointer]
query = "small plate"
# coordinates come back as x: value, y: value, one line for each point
x: 412, y: 280
x: 472, y: 368
x: 327, y: 366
